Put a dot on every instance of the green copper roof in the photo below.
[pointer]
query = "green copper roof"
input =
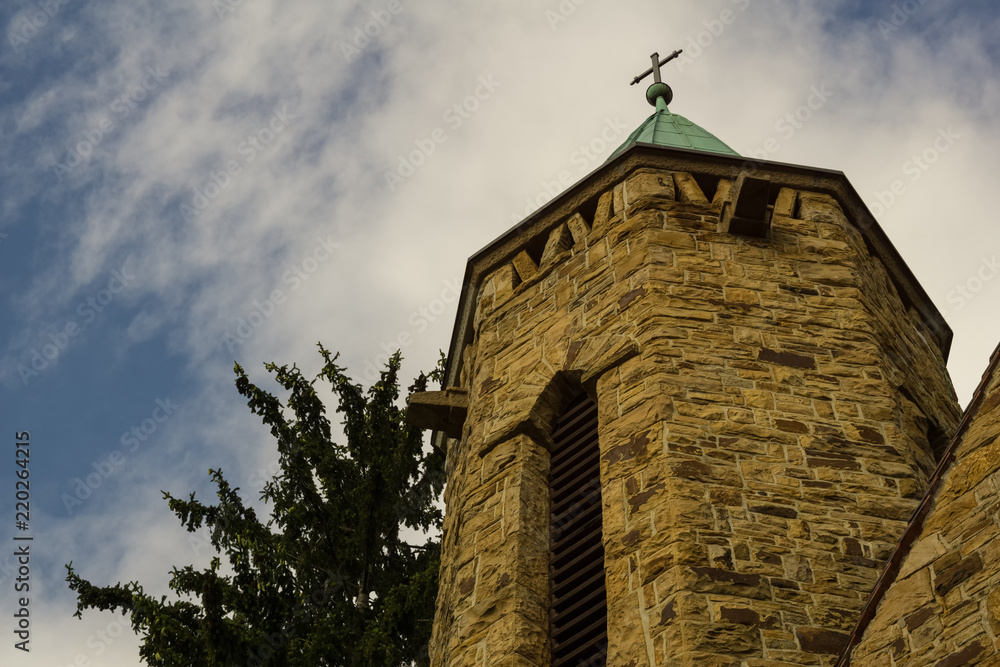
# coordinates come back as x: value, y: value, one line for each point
x: 673, y: 131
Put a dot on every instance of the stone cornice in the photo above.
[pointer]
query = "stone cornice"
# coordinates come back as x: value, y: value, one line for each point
x: 539, y: 224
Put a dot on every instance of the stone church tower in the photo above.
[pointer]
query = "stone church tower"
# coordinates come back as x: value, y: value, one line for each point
x: 690, y: 406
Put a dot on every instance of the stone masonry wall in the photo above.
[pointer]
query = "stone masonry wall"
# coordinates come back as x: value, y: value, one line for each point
x: 765, y: 409
x: 943, y: 608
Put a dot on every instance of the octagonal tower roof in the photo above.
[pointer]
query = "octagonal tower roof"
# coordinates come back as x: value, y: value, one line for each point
x: 671, y: 130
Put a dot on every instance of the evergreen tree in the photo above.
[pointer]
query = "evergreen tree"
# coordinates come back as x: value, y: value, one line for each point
x: 327, y: 580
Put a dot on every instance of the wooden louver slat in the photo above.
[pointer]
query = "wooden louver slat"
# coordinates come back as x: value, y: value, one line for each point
x: 578, y: 612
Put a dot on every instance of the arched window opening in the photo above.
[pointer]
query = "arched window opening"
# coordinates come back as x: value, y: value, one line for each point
x: 579, y: 610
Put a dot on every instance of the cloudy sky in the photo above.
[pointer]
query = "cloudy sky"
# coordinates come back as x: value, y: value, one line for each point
x: 191, y: 182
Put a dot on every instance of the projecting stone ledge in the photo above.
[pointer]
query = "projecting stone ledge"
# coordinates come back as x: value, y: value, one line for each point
x: 439, y: 410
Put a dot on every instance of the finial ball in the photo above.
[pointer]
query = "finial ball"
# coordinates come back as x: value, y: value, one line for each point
x: 659, y: 89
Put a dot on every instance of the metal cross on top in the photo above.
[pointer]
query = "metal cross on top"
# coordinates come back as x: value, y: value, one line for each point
x: 655, y: 69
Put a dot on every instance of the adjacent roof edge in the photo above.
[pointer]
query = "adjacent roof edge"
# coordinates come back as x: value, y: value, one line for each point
x: 916, y: 523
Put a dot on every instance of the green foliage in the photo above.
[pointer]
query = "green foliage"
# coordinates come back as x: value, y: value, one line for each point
x: 327, y: 580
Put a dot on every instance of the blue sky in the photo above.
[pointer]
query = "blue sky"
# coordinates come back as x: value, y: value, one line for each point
x: 186, y: 184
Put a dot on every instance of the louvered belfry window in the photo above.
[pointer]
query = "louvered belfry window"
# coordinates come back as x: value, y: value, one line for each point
x: 579, y: 609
